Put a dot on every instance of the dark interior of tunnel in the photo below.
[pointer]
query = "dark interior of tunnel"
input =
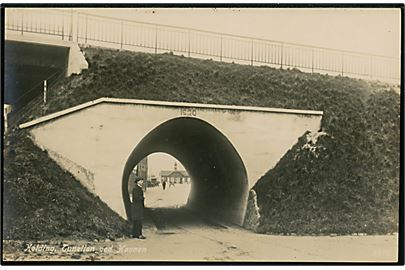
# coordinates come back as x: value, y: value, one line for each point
x: 219, y: 188
x: 26, y: 66
x: 25, y: 82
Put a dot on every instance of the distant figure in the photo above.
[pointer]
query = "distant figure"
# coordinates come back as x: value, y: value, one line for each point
x: 171, y: 183
x: 164, y: 184
x: 137, y: 208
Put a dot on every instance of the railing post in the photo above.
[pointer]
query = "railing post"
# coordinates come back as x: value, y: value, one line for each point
x: 371, y: 67
x: 342, y: 61
x: 63, y: 26
x: 312, y: 63
x: 22, y: 23
x: 251, y: 53
x: 85, y: 35
x: 189, y: 43
x: 220, y: 49
x: 75, y: 27
x: 156, y: 36
x: 122, y: 33
x: 282, y: 54
x: 71, y: 26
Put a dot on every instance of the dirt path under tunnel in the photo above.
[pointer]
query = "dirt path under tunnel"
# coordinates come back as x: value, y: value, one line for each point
x: 166, y: 211
x: 166, y: 219
x: 177, y: 234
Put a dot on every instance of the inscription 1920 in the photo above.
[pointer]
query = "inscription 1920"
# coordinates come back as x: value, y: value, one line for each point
x: 188, y: 112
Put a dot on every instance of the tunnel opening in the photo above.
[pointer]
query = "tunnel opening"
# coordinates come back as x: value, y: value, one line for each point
x: 166, y: 190
x: 27, y: 65
x: 167, y: 182
x: 219, y: 186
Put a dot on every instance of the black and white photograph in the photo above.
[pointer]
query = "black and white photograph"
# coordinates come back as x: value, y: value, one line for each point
x: 202, y: 134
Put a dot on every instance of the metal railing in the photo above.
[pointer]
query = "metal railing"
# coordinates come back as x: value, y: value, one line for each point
x: 40, y: 21
x: 88, y: 29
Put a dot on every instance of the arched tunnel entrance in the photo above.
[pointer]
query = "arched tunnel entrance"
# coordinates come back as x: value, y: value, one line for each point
x: 220, y: 187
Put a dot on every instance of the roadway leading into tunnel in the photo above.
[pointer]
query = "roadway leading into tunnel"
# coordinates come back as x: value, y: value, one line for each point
x: 191, y: 240
x: 175, y: 233
x: 185, y: 237
x: 167, y: 211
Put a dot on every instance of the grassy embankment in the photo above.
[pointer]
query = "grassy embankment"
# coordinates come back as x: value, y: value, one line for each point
x: 345, y: 182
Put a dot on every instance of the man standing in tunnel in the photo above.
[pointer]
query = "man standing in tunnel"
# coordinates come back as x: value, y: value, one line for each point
x: 137, y: 208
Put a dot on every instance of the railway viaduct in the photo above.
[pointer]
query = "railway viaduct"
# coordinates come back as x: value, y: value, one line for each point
x: 29, y: 60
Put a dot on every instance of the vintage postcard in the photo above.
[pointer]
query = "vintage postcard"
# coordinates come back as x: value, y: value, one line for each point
x: 195, y: 134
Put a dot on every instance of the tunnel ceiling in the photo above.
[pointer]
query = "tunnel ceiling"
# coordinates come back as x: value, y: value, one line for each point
x: 27, y: 65
x: 41, y: 55
x: 220, y: 186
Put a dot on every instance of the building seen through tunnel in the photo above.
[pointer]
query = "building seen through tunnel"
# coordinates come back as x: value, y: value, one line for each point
x: 174, y: 176
x: 168, y: 191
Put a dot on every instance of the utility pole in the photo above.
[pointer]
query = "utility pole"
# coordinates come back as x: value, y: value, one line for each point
x: 45, y: 92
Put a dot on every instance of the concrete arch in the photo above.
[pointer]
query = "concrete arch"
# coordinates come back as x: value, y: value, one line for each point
x: 220, y: 184
x: 93, y: 141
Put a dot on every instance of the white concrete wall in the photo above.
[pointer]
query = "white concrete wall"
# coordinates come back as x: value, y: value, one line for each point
x: 77, y: 61
x: 101, y: 137
x: 84, y: 176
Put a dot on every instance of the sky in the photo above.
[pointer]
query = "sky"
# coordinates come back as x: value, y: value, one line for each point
x: 375, y: 31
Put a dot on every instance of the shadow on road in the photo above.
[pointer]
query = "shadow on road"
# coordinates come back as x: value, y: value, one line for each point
x: 176, y: 218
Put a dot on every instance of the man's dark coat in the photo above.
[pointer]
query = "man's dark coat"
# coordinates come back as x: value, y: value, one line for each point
x: 137, y: 203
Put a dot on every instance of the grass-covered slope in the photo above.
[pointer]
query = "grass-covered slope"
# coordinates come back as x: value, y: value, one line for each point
x: 41, y: 201
x: 124, y: 74
x: 340, y: 182
x: 351, y: 185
